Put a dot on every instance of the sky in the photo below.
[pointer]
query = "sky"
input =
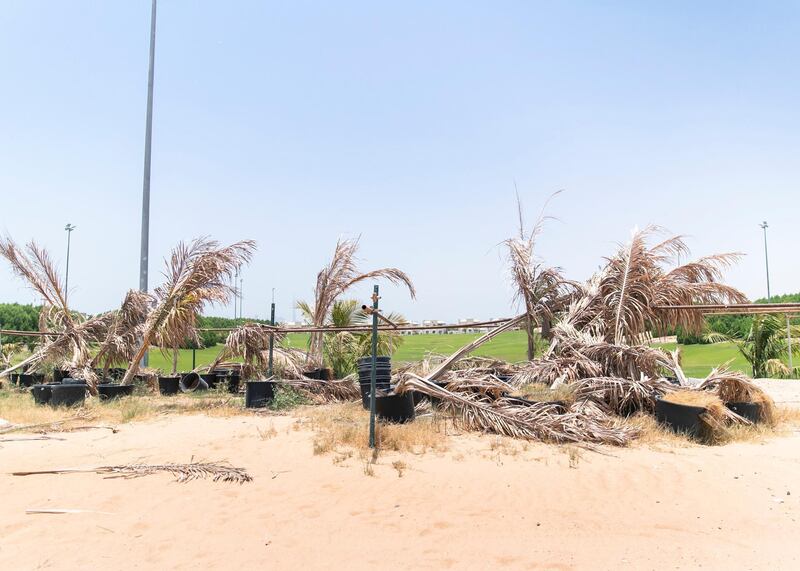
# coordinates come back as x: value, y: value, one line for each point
x: 409, y: 124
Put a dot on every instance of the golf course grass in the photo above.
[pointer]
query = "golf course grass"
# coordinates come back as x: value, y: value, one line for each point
x: 697, y: 360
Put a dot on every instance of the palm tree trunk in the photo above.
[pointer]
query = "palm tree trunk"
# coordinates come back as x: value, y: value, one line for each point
x: 133, y: 368
x: 174, y: 360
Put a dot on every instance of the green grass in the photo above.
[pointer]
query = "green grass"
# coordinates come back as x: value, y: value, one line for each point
x: 698, y: 360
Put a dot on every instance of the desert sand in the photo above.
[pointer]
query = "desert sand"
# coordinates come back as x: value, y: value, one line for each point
x: 483, y: 503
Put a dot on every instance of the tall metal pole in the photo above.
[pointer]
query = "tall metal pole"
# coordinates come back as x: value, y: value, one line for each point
x: 764, y: 227
x: 236, y: 293
x: 241, y: 296
x: 69, y: 228
x: 372, y: 374
x: 148, y: 138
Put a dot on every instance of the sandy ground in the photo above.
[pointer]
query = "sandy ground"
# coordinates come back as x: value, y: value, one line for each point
x: 476, y: 506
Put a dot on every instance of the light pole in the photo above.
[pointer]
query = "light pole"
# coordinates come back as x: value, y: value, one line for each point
x: 69, y: 228
x: 764, y: 227
x: 148, y: 139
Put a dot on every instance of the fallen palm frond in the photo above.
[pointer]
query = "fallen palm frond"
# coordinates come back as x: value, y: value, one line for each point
x: 532, y: 421
x: 735, y: 387
x: 216, y: 471
x: 326, y: 391
x: 332, y: 281
x: 125, y: 328
x: 486, y: 337
x: 554, y: 371
x: 197, y: 274
x: 250, y: 343
x: 622, y: 396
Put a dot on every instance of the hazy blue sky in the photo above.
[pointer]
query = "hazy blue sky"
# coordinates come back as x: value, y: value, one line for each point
x: 294, y: 123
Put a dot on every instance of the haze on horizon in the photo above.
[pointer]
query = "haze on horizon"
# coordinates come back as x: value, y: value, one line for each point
x: 409, y: 125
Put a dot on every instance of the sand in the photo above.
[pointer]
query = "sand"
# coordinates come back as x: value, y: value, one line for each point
x: 484, y: 503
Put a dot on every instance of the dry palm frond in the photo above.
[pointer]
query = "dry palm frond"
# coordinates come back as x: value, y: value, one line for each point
x: 75, y: 333
x: 735, y: 387
x: 448, y: 363
x: 249, y: 342
x: 327, y: 391
x: 333, y: 280
x: 197, y: 274
x: 541, y: 289
x: 216, y: 471
x: 532, y: 421
x: 124, y: 330
x: 554, y: 371
x: 622, y: 396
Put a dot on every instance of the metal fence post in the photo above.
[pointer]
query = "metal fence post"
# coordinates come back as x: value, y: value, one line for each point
x: 372, y: 374
x: 271, y: 338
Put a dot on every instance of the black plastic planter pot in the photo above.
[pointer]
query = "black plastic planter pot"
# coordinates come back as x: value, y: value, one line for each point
x: 233, y: 383
x: 67, y: 395
x: 59, y: 375
x: 752, y: 411
x: 113, y: 391
x: 28, y: 380
x: 192, y: 382
x: 378, y: 359
x: 14, y: 378
x: 680, y: 417
x: 210, y: 379
x: 258, y: 394
x: 380, y: 386
x: 41, y: 393
x: 169, y: 385
x: 395, y: 408
x: 71, y: 381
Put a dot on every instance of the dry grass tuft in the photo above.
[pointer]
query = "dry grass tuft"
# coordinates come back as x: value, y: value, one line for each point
x: 346, y: 425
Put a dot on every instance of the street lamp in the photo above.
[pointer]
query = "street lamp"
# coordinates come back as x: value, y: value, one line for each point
x: 69, y: 228
x: 764, y: 227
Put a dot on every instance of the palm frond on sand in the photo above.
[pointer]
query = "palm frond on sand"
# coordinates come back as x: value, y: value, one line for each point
x: 216, y: 471
x: 535, y: 421
x: 344, y: 390
x: 622, y: 396
x: 333, y: 280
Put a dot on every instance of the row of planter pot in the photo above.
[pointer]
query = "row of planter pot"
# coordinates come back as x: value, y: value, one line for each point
x: 70, y: 392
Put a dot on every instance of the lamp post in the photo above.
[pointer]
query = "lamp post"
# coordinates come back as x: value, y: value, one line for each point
x: 148, y: 138
x: 764, y: 227
x: 69, y: 228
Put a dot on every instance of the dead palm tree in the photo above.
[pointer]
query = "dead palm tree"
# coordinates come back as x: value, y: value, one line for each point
x: 197, y: 274
x: 542, y: 290
x: 332, y: 281
x: 70, y: 346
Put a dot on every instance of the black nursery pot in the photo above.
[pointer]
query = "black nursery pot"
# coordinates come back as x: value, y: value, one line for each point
x: 27, y: 380
x: 233, y: 381
x: 41, y: 393
x: 395, y: 408
x: 378, y: 359
x: 192, y: 382
x: 59, y: 375
x: 67, y: 395
x: 108, y: 391
x: 365, y: 386
x: 169, y: 385
x: 322, y: 374
x: 71, y: 381
x: 680, y: 417
x: 258, y: 393
x: 211, y: 379
x: 752, y: 411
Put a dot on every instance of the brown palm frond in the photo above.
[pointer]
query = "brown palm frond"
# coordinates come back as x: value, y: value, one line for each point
x: 535, y: 421
x: 553, y: 371
x: 250, y: 343
x: 622, y: 396
x: 736, y: 387
x: 333, y: 280
x: 216, y: 471
x: 197, y: 274
x: 124, y: 331
x: 327, y: 391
